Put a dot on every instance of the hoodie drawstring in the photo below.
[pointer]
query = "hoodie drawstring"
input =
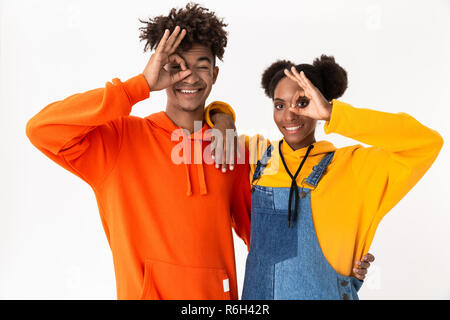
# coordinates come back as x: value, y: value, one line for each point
x: 199, y: 162
x: 186, y: 160
x: 200, y: 171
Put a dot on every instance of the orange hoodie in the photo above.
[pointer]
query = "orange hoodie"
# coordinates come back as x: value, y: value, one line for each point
x: 168, y: 222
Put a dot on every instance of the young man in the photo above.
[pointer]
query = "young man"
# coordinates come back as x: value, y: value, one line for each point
x: 166, y: 211
x: 168, y: 224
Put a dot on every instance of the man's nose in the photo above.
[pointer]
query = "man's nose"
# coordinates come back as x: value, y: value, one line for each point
x: 192, y: 78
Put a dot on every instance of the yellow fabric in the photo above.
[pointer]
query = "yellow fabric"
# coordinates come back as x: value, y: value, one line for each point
x: 218, y: 106
x: 361, y: 184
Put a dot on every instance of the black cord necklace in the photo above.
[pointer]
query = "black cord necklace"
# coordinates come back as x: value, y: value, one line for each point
x: 294, y: 187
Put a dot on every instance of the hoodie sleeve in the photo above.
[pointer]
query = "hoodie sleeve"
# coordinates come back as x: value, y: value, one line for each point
x: 83, y: 133
x: 241, y: 203
x: 402, y: 150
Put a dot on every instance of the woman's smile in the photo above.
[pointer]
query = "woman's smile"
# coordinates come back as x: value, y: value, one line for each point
x: 292, y: 129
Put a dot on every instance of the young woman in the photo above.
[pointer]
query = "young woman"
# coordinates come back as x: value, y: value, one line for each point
x: 315, y: 208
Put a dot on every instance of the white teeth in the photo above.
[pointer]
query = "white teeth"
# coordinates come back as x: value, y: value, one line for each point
x: 189, y: 91
x: 294, y: 128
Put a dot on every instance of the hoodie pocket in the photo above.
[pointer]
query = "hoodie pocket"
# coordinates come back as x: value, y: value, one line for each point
x: 167, y: 281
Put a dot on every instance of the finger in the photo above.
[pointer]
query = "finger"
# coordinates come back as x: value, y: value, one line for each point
x: 295, y: 73
x: 175, y: 58
x: 230, y: 150
x: 178, y: 40
x: 291, y: 76
x: 224, y: 160
x: 360, y: 276
x: 239, y: 145
x: 218, y: 151
x: 235, y: 152
x: 172, y: 39
x: 298, y: 111
x: 162, y: 43
x: 179, y: 76
x: 360, y: 271
x: 213, y: 147
x: 303, y: 84
x: 362, y: 264
x: 368, y: 257
x: 295, y: 99
x: 293, y: 105
x: 307, y: 81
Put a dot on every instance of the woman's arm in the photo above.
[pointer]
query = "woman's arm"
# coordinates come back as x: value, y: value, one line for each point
x: 401, y: 151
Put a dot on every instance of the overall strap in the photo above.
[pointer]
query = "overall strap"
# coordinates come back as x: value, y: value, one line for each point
x: 262, y: 163
x: 316, y: 174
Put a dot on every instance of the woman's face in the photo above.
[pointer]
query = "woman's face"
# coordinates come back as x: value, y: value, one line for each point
x: 298, y: 131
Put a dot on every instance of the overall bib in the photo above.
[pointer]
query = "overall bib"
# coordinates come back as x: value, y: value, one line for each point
x: 287, y: 262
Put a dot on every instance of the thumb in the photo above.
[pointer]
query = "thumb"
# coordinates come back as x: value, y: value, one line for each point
x: 298, y: 111
x: 180, y: 75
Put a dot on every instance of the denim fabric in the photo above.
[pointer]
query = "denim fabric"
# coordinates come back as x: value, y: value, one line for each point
x: 261, y: 164
x: 288, y: 263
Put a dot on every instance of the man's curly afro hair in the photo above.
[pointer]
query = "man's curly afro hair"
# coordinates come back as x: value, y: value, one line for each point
x: 202, y: 26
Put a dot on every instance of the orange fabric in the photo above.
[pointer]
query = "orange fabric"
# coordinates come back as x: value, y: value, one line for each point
x: 168, y: 223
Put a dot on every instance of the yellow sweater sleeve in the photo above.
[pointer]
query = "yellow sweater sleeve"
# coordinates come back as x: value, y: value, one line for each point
x: 402, y: 150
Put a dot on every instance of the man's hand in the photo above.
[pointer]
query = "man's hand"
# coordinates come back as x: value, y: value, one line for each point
x: 360, y: 269
x: 224, y: 141
x: 165, y: 67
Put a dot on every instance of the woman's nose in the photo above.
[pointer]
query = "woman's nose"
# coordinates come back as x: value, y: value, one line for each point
x: 289, y: 114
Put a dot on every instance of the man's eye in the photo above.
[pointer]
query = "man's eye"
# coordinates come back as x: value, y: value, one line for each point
x: 204, y: 68
x: 175, y: 66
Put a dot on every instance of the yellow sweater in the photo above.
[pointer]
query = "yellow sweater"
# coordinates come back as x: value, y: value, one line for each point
x: 362, y: 183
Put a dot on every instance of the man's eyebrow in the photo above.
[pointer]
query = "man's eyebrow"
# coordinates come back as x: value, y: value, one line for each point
x: 204, y: 59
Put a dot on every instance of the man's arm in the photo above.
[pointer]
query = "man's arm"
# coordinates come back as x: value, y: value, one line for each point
x: 83, y: 133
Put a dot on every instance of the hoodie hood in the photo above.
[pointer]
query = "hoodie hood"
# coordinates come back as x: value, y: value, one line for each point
x: 320, y: 148
x: 190, y: 142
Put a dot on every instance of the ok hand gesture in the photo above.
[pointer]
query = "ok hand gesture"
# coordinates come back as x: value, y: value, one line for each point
x: 308, y: 102
x: 157, y: 76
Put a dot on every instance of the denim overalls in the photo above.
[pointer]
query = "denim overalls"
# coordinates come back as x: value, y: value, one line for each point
x: 288, y: 263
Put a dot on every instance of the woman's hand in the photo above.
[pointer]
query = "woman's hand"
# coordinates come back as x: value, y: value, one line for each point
x: 308, y: 101
x: 155, y: 73
x: 360, y: 269
x: 224, y: 141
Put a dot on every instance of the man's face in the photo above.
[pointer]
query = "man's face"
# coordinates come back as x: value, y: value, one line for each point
x: 191, y: 93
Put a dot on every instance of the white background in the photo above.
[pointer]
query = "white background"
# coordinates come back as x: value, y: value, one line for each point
x: 52, y: 245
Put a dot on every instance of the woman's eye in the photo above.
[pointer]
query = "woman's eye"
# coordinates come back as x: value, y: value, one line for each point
x: 279, y: 106
x: 302, y: 103
x: 175, y: 67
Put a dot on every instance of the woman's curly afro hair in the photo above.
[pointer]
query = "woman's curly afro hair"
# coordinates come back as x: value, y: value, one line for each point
x: 202, y: 26
x: 329, y: 77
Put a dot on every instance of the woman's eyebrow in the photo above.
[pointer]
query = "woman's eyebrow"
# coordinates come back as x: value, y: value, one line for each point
x: 278, y: 99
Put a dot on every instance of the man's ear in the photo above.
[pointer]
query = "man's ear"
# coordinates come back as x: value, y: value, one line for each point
x: 215, y: 74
